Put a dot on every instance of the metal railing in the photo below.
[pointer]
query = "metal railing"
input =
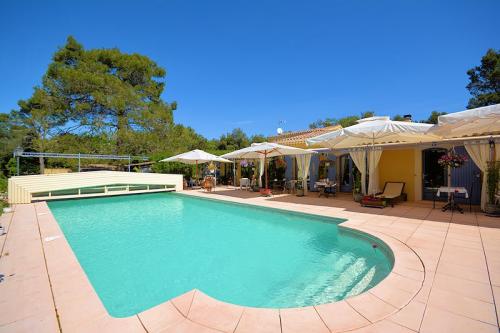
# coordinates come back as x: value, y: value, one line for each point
x: 18, y: 152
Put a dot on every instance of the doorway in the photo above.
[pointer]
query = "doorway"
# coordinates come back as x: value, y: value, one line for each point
x: 345, y: 173
x: 434, y: 175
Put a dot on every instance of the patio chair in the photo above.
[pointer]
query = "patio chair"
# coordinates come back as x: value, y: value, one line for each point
x: 279, y: 185
x: 253, y: 185
x: 244, y: 183
x: 393, y: 191
x: 290, y: 186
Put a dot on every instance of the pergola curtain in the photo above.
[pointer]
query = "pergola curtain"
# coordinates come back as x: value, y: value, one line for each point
x: 261, y: 170
x: 373, y: 159
x: 303, y: 163
x: 480, y: 154
x: 359, y: 158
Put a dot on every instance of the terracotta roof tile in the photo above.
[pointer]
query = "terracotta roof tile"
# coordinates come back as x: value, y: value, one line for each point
x: 299, y: 137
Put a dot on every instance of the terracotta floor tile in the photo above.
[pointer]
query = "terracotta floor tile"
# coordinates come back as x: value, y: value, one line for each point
x: 384, y: 326
x: 161, y: 317
x: 403, y: 283
x: 340, y: 316
x: 439, y: 321
x: 371, y: 307
x: 302, y: 320
x: 494, y: 270
x: 187, y: 326
x: 410, y: 316
x: 40, y: 323
x: 471, y: 289
x: 394, y: 296
x: 463, y: 306
x: 259, y: 320
x: 183, y: 302
x: 416, y: 275
x: 424, y: 292
x: 107, y: 324
x: 212, y: 313
x: 468, y: 273
x: 463, y: 256
x: 496, y: 293
x: 477, y: 245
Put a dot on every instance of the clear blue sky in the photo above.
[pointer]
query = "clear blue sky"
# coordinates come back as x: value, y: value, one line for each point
x: 250, y: 64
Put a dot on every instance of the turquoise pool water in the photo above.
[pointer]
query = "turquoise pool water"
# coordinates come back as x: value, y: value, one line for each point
x: 141, y: 250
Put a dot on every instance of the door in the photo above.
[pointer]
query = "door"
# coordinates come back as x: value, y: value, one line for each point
x: 433, y: 175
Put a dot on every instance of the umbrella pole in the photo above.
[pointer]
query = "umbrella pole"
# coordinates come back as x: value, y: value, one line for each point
x: 265, y: 167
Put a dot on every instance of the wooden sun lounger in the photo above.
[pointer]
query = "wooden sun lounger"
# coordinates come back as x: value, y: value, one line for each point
x: 393, y: 191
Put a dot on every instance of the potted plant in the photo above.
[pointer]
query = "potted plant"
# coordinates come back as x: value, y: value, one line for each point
x: 492, y: 179
x: 299, y: 187
x: 356, y: 189
x: 266, y: 192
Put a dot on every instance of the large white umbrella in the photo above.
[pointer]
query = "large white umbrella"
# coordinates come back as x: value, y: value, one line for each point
x: 369, y: 132
x: 475, y: 122
x: 263, y: 151
x: 375, y: 130
x: 194, y: 157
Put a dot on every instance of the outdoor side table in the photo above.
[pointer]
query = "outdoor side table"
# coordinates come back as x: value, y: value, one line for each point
x: 452, y: 190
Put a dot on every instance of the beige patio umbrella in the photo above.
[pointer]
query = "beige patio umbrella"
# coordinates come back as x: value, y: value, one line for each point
x: 483, y: 121
x: 369, y: 132
x: 474, y: 122
x: 194, y: 157
x: 264, y: 150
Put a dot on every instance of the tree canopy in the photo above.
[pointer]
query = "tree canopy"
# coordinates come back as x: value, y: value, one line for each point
x: 102, y: 101
x: 344, y: 122
x: 484, y: 85
x: 98, y: 91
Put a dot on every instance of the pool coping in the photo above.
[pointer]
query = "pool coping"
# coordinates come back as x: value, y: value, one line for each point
x: 72, y: 292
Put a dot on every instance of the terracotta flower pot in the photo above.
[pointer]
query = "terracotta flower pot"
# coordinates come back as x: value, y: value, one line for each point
x: 265, y: 191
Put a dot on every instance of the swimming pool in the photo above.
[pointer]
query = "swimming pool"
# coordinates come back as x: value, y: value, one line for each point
x: 141, y: 250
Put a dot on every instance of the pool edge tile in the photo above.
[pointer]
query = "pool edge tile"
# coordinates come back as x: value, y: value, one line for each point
x: 210, y: 312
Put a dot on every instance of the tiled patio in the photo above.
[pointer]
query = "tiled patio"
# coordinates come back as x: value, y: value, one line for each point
x: 446, y: 277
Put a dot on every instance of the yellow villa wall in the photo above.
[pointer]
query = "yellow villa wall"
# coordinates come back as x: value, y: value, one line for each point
x: 399, y: 165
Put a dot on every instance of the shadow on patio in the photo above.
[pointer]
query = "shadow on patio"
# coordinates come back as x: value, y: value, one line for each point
x: 420, y: 210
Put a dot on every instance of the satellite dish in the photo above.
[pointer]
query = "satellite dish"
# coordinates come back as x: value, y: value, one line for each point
x: 279, y: 130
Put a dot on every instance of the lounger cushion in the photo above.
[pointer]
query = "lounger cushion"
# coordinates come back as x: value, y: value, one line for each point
x: 392, y: 190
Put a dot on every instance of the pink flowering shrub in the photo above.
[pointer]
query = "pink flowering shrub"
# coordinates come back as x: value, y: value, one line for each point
x: 453, y: 160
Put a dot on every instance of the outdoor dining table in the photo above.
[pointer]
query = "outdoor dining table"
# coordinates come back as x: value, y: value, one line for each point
x: 452, y: 190
x: 323, y: 187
